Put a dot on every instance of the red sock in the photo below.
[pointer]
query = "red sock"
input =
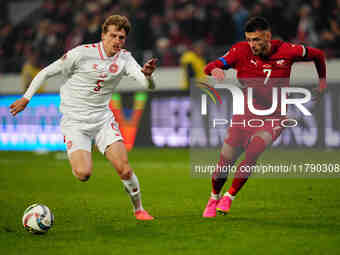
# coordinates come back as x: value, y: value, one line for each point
x: 220, y: 175
x: 253, y: 151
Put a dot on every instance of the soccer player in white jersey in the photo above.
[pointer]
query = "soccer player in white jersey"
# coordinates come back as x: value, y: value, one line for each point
x: 93, y: 71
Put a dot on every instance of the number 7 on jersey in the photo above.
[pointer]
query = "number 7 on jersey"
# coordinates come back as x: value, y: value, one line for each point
x: 267, y: 73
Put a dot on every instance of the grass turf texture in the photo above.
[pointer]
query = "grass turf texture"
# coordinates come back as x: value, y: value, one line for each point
x: 270, y: 215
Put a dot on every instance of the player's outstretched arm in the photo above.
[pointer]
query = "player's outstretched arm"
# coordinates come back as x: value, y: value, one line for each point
x: 142, y: 74
x: 49, y: 71
x: 318, y: 57
x: 214, y: 69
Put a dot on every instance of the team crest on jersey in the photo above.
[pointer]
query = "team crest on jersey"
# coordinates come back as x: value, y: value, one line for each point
x: 104, y: 67
x: 113, y: 68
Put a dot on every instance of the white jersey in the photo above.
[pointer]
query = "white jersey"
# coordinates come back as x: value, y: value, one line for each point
x: 91, y: 77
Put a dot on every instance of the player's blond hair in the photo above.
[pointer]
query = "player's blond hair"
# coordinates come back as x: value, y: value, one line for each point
x: 121, y: 22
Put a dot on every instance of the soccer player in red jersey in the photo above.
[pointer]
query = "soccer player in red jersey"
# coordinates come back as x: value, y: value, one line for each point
x: 262, y: 64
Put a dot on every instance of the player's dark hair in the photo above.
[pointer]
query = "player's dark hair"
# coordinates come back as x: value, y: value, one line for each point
x: 121, y: 22
x: 256, y: 23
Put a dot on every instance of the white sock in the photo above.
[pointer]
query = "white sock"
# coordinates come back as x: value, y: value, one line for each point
x: 215, y: 196
x: 228, y: 194
x: 133, y: 189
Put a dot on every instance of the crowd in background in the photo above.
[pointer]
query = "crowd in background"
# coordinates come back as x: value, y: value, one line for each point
x: 164, y: 29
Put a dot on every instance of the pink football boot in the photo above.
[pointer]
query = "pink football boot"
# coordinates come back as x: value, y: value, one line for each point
x: 224, y: 204
x: 143, y: 215
x: 210, y: 209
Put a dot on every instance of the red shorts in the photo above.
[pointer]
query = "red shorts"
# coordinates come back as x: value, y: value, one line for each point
x: 242, y: 128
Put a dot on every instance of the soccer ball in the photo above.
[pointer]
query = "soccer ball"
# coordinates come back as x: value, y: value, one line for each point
x: 37, y: 219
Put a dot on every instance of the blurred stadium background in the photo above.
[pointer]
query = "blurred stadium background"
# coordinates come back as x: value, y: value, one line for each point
x: 301, y: 214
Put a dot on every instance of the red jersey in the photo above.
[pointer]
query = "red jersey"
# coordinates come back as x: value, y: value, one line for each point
x: 263, y: 73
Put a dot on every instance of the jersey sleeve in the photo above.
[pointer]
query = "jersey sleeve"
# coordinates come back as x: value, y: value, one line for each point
x: 63, y: 65
x: 133, y: 70
x: 230, y: 59
x: 69, y: 60
x: 296, y: 51
x: 42, y: 76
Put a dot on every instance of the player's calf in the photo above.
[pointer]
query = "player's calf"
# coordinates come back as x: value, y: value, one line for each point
x: 255, y: 148
x: 132, y: 187
x: 117, y: 155
x: 228, y: 158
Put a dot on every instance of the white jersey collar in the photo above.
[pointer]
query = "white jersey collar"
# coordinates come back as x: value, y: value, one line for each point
x: 102, y: 52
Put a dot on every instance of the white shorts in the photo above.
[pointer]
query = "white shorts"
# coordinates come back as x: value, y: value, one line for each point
x: 80, y: 135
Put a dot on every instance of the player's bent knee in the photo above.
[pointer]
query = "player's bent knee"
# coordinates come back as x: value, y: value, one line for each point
x: 265, y: 136
x: 228, y: 152
x: 225, y: 155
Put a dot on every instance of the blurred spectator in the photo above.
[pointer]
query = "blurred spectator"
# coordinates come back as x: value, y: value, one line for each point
x: 317, y: 13
x: 166, y: 55
x: 165, y: 28
x: 48, y: 9
x: 139, y: 36
x: 333, y: 35
x: 306, y: 33
x: 94, y: 29
x: 158, y: 27
x: 188, y: 24
x: 192, y: 63
x: 30, y: 69
x: 7, y: 41
x: 256, y: 10
x: 219, y: 19
x: 77, y: 35
x: 47, y: 41
x: 240, y: 16
x: 273, y: 11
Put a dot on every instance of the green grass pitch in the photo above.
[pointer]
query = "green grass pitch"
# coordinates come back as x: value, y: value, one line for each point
x: 269, y: 216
